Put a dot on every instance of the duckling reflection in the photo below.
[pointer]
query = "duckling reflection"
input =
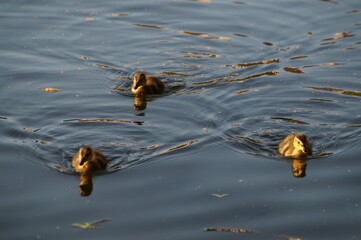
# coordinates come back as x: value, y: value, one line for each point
x: 86, y: 162
x: 140, y: 102
x: 299, y: 168
x: 295, y: 145
x: 143, y: 84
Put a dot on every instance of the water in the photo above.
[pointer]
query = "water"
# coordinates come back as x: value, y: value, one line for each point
x: 239, y: 77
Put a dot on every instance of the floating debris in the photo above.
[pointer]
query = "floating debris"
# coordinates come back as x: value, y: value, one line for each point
x: 42, y: 142
x: 298, y: 57
x: 105, y: 66
x: 82, y: 57
x: 50, y: 89
x: 240, y: 35
x: 89, y: 19
x: 240, y: 92
x: 332, y: 64
x: 149, y: 26
x: 293, y: 70
x: 354, y: 11
x: 118, y: 14
x: 220, y: 195
x: 268, y: 44
x: 88, y: 225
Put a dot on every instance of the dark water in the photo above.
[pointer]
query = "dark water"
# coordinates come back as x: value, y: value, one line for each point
x: 239, y: 77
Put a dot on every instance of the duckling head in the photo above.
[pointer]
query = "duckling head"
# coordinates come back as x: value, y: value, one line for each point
x: 139, y: 80
x: 299, y: 142
x: 85, y: 154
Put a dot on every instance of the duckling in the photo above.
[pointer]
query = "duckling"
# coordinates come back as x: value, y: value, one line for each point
x: 295, y: 145
x: 87, y: 161
x: 143, y: 84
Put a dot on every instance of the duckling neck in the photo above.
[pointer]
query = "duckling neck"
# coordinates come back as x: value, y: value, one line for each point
x: 139, y: 90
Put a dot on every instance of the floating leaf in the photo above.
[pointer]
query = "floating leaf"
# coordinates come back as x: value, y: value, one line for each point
x: 88, y: 225
x: 89, y: 19
x: 85, y: 225
x: 220, y: 195
x: 50, y: 89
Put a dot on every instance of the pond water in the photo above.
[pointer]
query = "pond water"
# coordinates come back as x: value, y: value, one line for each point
x: 239, y: 76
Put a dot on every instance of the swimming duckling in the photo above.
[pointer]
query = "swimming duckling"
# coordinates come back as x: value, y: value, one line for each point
x: 87, y: 161
x: 295, y: 145
x: 143, y: 84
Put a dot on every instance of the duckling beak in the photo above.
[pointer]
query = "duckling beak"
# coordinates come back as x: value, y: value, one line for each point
x: 83, y: 160
x: 303, y: 149
x: 136, y: 86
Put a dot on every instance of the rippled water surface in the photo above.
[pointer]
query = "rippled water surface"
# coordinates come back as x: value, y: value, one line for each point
x: 239, y: 76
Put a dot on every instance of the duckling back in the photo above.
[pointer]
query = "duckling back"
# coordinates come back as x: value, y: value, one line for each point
x: 295, y: 145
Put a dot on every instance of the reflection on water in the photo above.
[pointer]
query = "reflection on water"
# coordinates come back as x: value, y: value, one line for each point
x: 299, y: 168
x: 140, y: 102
